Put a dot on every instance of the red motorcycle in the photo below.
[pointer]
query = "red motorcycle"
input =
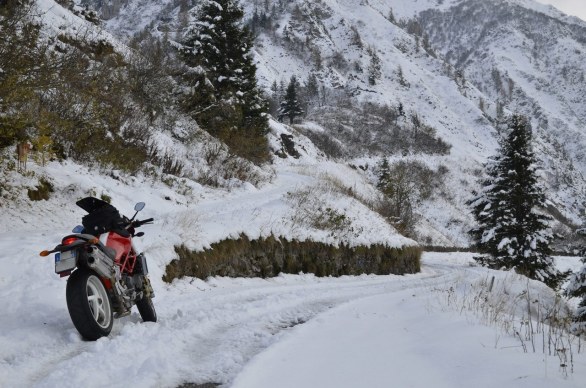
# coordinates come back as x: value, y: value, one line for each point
x: 107, y: 277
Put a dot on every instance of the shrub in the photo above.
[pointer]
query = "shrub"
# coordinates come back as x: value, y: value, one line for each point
x: 106, y: 198
x: 404, y: 185
x: 267, y: 257
x: 42, y: 192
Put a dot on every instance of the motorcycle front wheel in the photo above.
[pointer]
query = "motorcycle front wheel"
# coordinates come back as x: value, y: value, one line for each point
x: 89, y: 305
x: 146, y: 308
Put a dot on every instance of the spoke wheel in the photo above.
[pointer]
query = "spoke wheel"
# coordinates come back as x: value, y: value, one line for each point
x: 98, y: 301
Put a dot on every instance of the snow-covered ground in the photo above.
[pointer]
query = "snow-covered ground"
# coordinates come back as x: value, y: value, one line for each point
x: 409, y: 336
x: 422, y: 330
x: 293, y: 330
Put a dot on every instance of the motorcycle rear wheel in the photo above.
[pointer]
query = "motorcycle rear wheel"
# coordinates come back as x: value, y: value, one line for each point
x: 89, y: 305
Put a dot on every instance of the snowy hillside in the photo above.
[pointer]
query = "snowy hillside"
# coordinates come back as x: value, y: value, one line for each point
x: 454, y: 66
x: 223, y: 332
x: 527, y: 59
x: 449, y: 96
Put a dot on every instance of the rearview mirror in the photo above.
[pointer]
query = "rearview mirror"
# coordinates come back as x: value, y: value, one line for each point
x: 139, y: 206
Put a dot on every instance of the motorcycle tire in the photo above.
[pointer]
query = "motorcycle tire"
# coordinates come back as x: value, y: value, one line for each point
x: 146, y: 308
x: 89, y: 305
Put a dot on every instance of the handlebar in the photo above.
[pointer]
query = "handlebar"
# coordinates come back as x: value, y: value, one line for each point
x: 138, y: 223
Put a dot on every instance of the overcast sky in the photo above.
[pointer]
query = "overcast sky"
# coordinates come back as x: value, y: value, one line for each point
x: 571, y: 7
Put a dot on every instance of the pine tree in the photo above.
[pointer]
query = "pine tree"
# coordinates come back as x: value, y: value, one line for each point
x: 391, y: 17
x: 310, y: 93
x: 223, y: 95
x: 374, y: 67
x: 402, y: 81
x: 383, y: 174
x: 512, y: 233
x: 312, y: 87
x: 577, y: 288
x: 274, y: 99
x: 397, y: 185
x: 291, y: 107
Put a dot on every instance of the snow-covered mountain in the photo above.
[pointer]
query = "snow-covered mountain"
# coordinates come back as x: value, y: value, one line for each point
x: 303, y: 197
x: 527, y: 58
x: 450, y: 320
x: 456, y: 66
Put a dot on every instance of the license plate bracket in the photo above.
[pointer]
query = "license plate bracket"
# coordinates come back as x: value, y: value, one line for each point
x: 65, y: 261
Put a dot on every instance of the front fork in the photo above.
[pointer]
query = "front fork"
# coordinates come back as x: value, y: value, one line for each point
x: 147, y: 289
x: 131, y: 288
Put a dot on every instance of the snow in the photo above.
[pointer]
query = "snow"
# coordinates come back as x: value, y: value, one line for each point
x: 334, y: 331
x: 416, y: 330
x: 57, y: 21
x: 207, y: 330
x: 452, y: 109
x: 292, y: 330
x: 401, y: 338
x: 227, y: 331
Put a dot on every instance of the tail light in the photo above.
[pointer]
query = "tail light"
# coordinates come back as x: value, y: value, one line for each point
x: 68, y: 240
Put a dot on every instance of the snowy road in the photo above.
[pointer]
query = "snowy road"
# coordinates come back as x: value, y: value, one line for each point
x: 207, y: 331
x: 247, y: 332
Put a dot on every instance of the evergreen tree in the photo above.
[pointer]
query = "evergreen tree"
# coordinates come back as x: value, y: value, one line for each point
x: 397, y: 184
x: 400, y: 110
x: 317, y: 59
x: 512, y: 233
x: 402, y: 81
x: 274, y: 99
x: 312, y: 87
x: 391, y: 17
x: 223, y: 95
x: 291, y: 107
x: 310, y: 93
x: 577, y: 288
x: 383, y: 175
x: 374, y: 67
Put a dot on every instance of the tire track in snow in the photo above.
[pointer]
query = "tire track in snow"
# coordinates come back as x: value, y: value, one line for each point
x: 209, y: 334
x: 207, y: 331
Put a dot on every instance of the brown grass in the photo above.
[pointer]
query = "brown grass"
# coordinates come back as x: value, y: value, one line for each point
x: 267, y: 257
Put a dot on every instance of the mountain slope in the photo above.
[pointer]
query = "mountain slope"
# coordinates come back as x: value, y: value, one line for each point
x: 454, y: 67
x: 526, y: 60
x: 445, y: 94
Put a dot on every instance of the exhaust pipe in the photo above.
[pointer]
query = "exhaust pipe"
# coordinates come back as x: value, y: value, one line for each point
x: 101, y: 263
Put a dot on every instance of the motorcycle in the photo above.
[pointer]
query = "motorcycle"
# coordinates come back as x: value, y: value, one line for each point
x: 106, y: 275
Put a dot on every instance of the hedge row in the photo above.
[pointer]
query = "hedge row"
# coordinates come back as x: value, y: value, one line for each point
x: 267, y: 257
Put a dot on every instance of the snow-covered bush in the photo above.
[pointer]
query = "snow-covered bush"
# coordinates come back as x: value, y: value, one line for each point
x: 270, y: 256
x: 404, y: 185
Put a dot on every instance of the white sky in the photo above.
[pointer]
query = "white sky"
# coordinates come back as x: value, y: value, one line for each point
x: 571, y: 7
